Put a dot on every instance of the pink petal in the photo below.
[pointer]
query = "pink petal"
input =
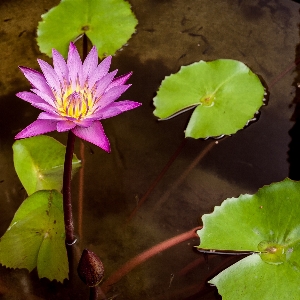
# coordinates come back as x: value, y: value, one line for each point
x: 94, y: 134
x: 100, y: 71
x: 30, y: 97
x: 50, y: 75
x: 90, y: 63
x: 35, y: 101
x: 36, y: 128
x: 74, y: 65
x: 121, y: 106
x: 60, y: 66
x: 50, y: 116
x: 115, y: 109
x: 44, y: 106
x: 37, y: 80
x: 48, y: 99
x: 85, y: 122
x: 103, y: 83
x: 112, y: 95
x: 120, y: 80
x: 63, y: 126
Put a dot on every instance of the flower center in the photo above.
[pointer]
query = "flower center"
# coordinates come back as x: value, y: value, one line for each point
x: 75, y: 103
x: 208, y: 100
x: 273, y: 253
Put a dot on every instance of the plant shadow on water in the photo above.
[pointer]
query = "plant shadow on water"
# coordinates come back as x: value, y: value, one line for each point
x: 115, y: 183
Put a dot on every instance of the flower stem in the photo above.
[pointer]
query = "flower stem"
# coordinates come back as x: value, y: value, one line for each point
x: 81, y: 171
x: 93, y: 293
x: 131, y: 264
x: 67, y: 203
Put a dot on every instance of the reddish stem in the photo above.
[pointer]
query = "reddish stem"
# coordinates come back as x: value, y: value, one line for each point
x: 80, y: 191
x: 284, y: 72
x: 157, y: 179
x: 67, y: 203
x: 93, y: 293
x: 188, y: 268
x: 81, y: 172
x: 183, y: 176
x: 139, y: 259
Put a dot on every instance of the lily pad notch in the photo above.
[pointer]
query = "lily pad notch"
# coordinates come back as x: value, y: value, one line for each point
x: 225, y: 95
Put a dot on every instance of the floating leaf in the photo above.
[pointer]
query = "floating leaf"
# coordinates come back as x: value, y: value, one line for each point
x: 268, y: 224
x: 36, y: 237
x: 39, y: 163
x: 108, y: 24
x: 225, y: 93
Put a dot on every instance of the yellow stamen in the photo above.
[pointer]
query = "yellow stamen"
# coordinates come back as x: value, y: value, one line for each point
x: 75, y: 102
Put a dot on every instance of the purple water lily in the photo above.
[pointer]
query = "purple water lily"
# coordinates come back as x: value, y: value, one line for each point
x: 75, y: 96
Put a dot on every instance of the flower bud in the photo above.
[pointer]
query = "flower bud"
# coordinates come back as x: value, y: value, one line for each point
x: 90, y: 268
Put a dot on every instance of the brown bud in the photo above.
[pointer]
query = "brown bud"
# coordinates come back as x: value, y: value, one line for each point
x: 90, y: 268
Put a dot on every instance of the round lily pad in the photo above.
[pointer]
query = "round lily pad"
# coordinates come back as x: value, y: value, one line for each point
x: 225, y: 93
x: 109, y: 24
x: 268, y: 225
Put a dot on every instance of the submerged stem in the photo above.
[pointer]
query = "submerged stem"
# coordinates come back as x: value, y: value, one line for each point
x: 139, y: 259
x: 67, y: 203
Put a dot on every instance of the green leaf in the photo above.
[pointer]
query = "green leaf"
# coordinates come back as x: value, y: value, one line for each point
x: 39, y: 163
x: 36, y: 237
x: 268, y: 224
x: 109, y: 24
x: 251, y: 278
x: 225, y: 92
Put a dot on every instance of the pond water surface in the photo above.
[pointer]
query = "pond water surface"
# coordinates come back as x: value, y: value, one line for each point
x: 262, y: 34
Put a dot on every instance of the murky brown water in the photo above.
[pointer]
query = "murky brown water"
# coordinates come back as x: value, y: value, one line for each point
x: 263, y: 34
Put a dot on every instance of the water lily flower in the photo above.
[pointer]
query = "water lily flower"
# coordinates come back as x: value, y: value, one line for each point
x: 75, y: 96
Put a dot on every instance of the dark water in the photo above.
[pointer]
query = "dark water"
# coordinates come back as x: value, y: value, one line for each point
x: 262, y: 34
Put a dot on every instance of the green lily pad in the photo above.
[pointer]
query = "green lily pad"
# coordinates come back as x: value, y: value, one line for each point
x: 267, y: 224
x: 39, y: 163
x: 225, y: 93
x: 109, y: 24
x: 36, y: 237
